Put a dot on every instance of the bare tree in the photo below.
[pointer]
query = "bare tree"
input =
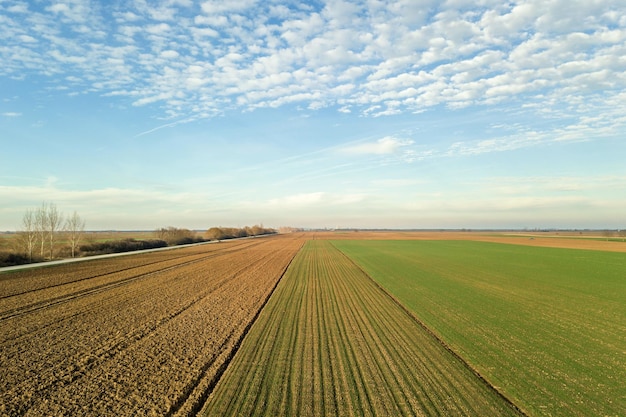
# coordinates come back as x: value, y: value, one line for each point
x: 55, y: 220
x: 48, y: 223
x: 41, y: 226
x: 74, y: 227
x: 28, y: 234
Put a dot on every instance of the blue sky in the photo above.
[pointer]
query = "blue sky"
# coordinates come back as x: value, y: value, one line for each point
x: 373, y: 113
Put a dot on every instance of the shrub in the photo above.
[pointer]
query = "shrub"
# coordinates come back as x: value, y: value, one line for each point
x: 12, y: 259
x: 125, y: 245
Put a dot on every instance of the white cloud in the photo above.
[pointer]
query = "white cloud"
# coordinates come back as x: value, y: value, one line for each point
x: 170, y: 54
x: 75, y: 12
x: 11, y: 114
x: 163, y: 13
x: 59, y: 8
x: 383, y: 146
x: 297, y: 200
x: 217, y: 21
x: 554, y: 188
x: 158, y: 29
x: 18, y: 8
x: 27, y: 39
x: 397, y: 182
x: 108, y: 207
x: 310, y: 201
x: 222, y: 6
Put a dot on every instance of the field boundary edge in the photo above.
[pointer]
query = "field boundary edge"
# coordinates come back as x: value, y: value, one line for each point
x: 447, y: 347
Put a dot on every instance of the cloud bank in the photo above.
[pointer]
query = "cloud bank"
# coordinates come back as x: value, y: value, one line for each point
x: 199, y: 59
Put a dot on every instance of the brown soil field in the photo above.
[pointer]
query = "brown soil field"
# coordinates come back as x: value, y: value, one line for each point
x: 147, y: 334
x: 592, y: 241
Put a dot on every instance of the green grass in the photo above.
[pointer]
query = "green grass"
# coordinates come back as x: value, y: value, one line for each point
x: 547, y: 326
x: 331, y: 342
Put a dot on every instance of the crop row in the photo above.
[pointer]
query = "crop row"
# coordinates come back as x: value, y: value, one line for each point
x: 331, y: 342
x: 150, y: 346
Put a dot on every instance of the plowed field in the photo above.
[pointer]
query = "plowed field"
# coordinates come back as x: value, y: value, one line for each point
x: 139, y: 335
x: 331, y: 342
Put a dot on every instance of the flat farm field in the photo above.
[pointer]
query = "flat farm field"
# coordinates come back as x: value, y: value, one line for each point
x: 545, y: 326
x: 349, y: 324
x: 330, y: 342
x: 145, y: 334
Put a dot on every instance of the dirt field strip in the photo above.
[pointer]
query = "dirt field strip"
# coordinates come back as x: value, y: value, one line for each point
x: 150, y: 346
x: 331, y: 342
x: 15, y: 283
x: 50, y: 291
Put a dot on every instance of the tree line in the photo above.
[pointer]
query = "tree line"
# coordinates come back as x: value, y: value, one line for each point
x: 46, y: 234
x: 221, y: 233
x: 177, y: 236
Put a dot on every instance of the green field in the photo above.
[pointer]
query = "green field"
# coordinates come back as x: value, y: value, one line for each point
x: 546, y: 326
x: 331, y: 342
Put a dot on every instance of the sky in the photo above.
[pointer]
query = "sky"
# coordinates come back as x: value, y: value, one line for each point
x: 365, y: 113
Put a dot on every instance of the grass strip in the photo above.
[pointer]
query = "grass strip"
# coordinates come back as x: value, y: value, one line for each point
x: 546, y: 326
